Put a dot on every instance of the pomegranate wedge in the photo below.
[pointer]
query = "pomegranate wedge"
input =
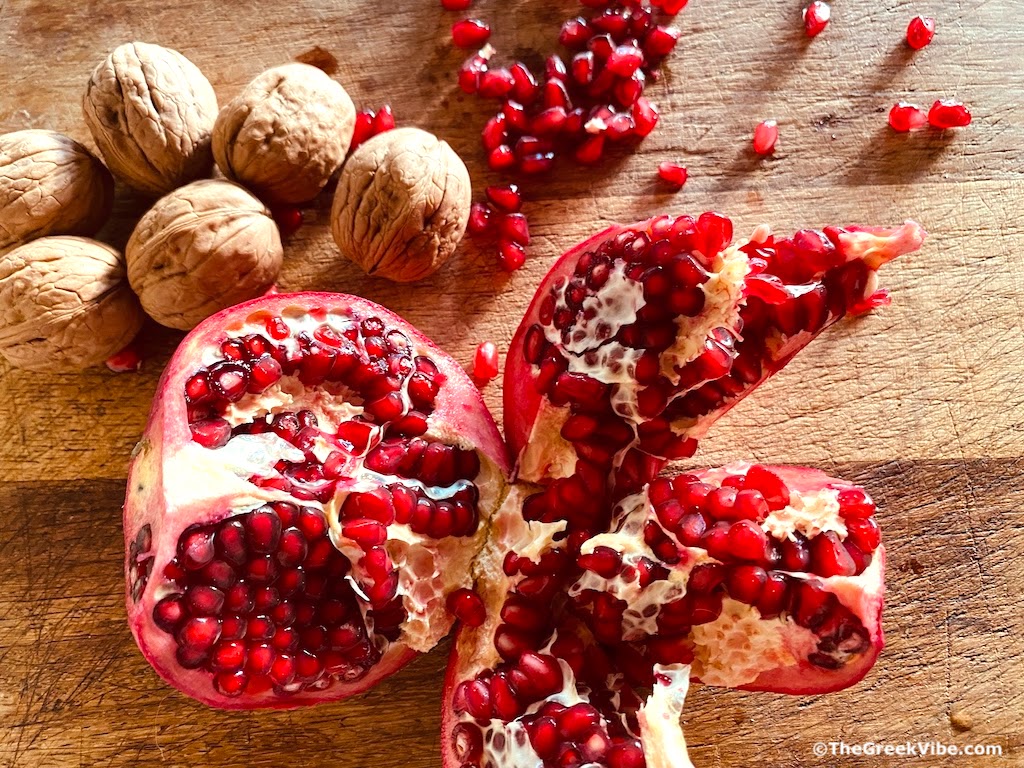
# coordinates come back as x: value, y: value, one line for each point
x: 314, y: 480
x: 641, y: 337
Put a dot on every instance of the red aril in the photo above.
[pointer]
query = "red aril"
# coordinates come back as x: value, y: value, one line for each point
x: 766, y: 134
x: 127, y: 360
x: 470, y: 33
x: 672, y: 174
x: 920, y: 32
x: 949, y: 113
x: 485, y: 362
x: 905, y: 117
x: 816, y: 17
x: 266, y: 489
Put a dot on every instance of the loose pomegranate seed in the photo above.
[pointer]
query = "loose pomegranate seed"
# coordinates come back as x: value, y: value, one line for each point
x: 765, y: 135
x: 906, y: 117
x: 949, y: 113
x: 479, y: 218
x: 363, y: 127
x: 507, y: 198
x: 673, y: 174
x: 127, y: 360
x: 289, y: 220
x: 456, y: 5
x: 816, y: 17
x: 470, y: 33
x: 920, y: 32
x: 485, y: 363
x: 511, y: 256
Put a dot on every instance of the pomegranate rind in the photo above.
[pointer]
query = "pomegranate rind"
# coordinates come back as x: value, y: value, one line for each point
x: 168, y: 490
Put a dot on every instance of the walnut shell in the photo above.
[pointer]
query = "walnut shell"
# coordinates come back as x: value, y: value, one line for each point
x: 151, y: 113
x: 286, y: 134
x: 402, y: 205
x: 200, y: 249
x: 64, y: 304
x: 50, y: 185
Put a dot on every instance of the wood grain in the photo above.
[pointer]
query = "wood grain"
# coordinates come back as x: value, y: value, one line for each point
x: 923, y: 401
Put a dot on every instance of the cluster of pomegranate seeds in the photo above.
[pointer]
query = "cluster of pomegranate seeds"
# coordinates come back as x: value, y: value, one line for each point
x: 816, y: 17
x: 260, y: 600
x: 577, y: 106
x: 920, y: 32
x: 470, y: 33
x: 370, y: 123
x: 766, y: 134
x: 485, y: 362
x: 905, y: 117
x: 672, y: 174
x: 502, y: 216
x: 949, y: 113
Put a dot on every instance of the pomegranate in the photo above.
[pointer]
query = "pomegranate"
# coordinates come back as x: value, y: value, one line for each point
x: 641, y: 337
x: 764, y: 578
x: 314, y: 480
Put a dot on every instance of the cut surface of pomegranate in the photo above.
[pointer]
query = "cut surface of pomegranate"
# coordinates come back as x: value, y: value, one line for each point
x: 641, y: 337
x: 315, y: 479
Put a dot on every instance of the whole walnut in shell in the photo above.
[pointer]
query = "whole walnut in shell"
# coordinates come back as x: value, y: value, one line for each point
x: 64, y: 304
x: 286, y: 134
x: 151, y: 112
x: 402, y: 205
x: 200, y: 249
x: 50, y: 184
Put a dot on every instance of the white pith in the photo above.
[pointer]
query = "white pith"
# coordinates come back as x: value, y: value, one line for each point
x: 660, y: 729
x: 809, y: 513
x: 547, y: 454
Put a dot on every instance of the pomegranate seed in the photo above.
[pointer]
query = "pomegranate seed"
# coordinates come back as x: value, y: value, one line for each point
x: 496, y: 83
x: 906, y: 117
x: 525, y: 88
x: 363, y: 127
x: 384, y: 121
x: 575, y: 33
x: 625, y: 60
x: 479, y: 218
x: 855, y: 503
x: 672, y: 7
x: 288, y: 219
x: 514, y: 227
x: 745, y: 583
x: 467, y: 607
x: 485, y: 363
x: 920, y: 32
x: 765, y: 135
x: 506, y: 198
x: 747, y: 541
x: 540, y: 162
x: 511, y: 256
x: 590, y: 151
x: 816, y: 17
x: 661, y: 41
x: 949, y: 113
x: 127, y: 360
x: 470, y: 33
x: 501, y: 158
x: 645, y: 116
x: 673, y: 174
x: 604, y: 561
x: 456, y: 5
x: 829, y: 557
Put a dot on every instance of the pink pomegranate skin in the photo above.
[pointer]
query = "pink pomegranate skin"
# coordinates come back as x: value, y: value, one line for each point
x: 165, y: 495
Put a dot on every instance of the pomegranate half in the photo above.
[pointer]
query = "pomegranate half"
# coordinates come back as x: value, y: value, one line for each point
x: 315, y: 479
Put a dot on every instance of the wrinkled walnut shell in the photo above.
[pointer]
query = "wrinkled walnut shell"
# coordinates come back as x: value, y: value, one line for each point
x: 286, y: 134
x: 151, y: 112
x: 402, y: 205
x: 200, y: 249
x: 64, y: 304
x: 50, y: 185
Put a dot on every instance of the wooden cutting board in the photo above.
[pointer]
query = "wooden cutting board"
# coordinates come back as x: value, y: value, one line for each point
x: 922, y: 402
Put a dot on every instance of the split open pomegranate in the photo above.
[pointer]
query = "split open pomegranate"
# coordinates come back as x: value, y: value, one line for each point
x: 315, y: 479
x: 320, y: 490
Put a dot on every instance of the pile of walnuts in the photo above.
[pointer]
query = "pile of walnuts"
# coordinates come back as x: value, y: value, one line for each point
x: 68, y: 301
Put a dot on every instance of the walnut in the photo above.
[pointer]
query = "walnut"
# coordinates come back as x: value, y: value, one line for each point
x: 64, y: 304
x: 50, y: 184
x: 200, y: 249
x: 151, y: 113
x: 402, y: 205
x: 286, y: 134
